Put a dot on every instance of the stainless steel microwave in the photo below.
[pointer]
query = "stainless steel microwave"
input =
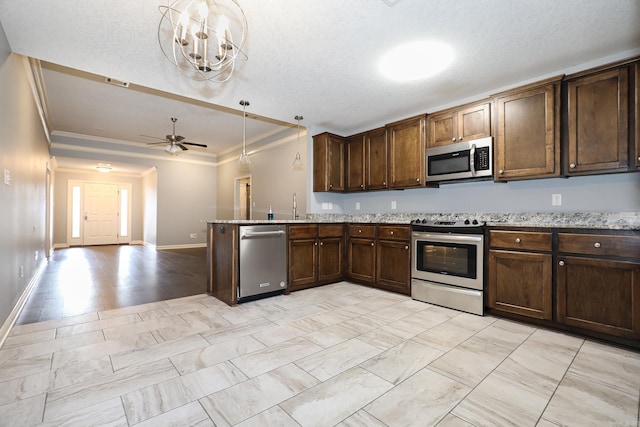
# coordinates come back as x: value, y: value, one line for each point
x: 462, y: 160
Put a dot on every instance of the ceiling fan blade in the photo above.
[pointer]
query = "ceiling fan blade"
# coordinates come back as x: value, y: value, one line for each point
x: 178, y: 138
x: 158, y: 143
x: 181, y: 146
x: 153, y: 137
x: 195, y: 144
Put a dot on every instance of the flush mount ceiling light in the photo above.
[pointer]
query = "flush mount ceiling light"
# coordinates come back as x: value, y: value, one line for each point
x: 244, y: 159
x: 416, y: 60
x: 203, y: 38
x: 297, y: 164
x: 104, y: 167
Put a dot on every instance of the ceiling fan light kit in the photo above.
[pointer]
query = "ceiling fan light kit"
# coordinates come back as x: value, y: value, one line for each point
x: 175, y: 143
x: 203, y: 38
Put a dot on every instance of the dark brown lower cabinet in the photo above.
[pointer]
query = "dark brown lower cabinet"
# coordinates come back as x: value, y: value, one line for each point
x: 521, y: 283
x: 599, y: 295
x: 393, y: 267
x: 380, y: 256
x: 316, y: 255
x: 361, y: 259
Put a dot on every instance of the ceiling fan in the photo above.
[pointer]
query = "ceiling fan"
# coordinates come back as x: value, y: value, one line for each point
x: 175, y: 143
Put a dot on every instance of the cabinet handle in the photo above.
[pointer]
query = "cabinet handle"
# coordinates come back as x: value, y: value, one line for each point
x: 596, y: 245
x: 361, y: 185
x: 330, y: 185
x: 406, y: 247
x: 517, y: 240
x: 321, y: 243
x: 384, y: 183
x: 460, y: 139
x: 359, y: 231
x: 572, y: 165
x: 561, y: 263
x: 391, y: 232
x: 453, y: 140
x: 371, y: 243
x: 639, y: 158
x: 417, y: 179
x: 501, y: 171
x: 315, y: 243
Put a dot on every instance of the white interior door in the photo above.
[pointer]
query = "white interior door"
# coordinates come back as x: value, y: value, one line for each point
x: 100, y: 214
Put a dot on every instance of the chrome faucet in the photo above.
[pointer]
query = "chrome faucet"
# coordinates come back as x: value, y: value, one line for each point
x: 295, y: 208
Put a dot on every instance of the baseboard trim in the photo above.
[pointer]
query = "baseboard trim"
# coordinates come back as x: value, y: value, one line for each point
x: 15, y: 313
x: 60, y: 246
x: 191, y: 246
x: 136, y: 242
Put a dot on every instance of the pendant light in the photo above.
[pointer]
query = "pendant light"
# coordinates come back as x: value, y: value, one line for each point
x: 297, y: 162
x: 244, y: 158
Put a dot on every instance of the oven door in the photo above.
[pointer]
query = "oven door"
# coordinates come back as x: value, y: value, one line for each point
x: 454, y: 259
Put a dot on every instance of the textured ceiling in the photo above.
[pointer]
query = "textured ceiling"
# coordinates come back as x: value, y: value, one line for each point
x: 318, y: 59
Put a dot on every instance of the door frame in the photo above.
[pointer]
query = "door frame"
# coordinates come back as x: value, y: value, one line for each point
x: 236, y: 196
x: 79, y: 241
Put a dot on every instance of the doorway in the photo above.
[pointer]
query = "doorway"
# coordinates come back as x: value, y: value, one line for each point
x: 242, y: 197
x: 98, y: 213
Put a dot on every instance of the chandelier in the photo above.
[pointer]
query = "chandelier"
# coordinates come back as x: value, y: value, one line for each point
x: 203, y: 38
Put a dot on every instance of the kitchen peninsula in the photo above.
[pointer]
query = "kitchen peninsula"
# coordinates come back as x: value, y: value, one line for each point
x: 586, y: 279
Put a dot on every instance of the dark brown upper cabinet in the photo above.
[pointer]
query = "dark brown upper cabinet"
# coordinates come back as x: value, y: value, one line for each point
x: 527, y: 130
x: 598, y: 123
x: 328, y: 162
x: 464, y: 123
x: 407, y: 152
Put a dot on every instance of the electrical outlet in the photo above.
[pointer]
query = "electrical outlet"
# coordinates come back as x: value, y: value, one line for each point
x: 393, y: 204
x: 21, y: 271
x: 35, y: 257
x: 7, y: 177
x: 556, y: 200
x: 193, y: 235
x: 357, y: 206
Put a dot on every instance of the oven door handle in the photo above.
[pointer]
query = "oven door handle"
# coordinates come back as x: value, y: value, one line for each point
x: 448, y: 238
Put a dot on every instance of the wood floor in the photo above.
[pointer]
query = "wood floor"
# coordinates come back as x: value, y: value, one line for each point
x: 97, y: 278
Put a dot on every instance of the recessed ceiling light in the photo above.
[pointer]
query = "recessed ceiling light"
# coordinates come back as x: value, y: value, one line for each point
x: 416, y: 60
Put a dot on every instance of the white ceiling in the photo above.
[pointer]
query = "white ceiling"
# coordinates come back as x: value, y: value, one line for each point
x: 317, y: 59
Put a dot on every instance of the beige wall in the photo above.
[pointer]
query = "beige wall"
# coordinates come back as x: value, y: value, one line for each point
x: 24, y: 153
x: 273, y: 181
x: 150, y: 207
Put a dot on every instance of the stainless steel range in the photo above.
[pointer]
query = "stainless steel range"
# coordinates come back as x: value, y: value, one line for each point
x: 447, y: 261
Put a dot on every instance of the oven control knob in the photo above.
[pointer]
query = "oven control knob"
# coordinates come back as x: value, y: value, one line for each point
x: 466, y: 221
x: 424, y: 220
x: 474, y: 222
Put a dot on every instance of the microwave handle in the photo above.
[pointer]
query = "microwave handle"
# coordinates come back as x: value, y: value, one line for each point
x: 472, y: 159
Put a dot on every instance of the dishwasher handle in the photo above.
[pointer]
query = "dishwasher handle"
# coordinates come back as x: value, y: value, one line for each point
x: 258, y: 234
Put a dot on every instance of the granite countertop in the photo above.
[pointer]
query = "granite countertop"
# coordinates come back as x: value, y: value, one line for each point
x: 596, y: 220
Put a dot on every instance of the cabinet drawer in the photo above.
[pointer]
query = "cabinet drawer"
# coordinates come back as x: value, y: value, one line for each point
x: 332, y: 230
x: 303, y: 231
x: 394, y: 232
x: 529, y: 240
x: 359, y: 230
x: 599, y: 244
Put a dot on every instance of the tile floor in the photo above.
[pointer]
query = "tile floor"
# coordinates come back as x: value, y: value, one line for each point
x: 341, y: 354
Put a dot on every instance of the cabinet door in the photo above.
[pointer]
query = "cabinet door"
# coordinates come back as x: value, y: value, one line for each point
x: 328, y: 163
x: 361, y: 260
x: 521, y: 283
x: 474, y: 122
x: 330, y: 259
x: 599, y: 295
x: 442, y: 129
x: 528, y: 134
x: 355, y: 149
x: 407, y: 153
x: 303, y: 266
x: 377, y: 159
x: 599, y: 122
x: 393, y: 269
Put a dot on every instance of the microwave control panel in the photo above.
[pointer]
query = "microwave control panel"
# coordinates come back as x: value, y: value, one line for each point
x: 482, y: 159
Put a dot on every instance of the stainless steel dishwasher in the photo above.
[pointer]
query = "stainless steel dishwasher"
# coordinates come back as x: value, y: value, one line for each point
x: 263, y: 261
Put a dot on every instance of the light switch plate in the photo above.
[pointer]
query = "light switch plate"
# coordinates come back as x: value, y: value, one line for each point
x: 357, y: 206
x: 556, y: 200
